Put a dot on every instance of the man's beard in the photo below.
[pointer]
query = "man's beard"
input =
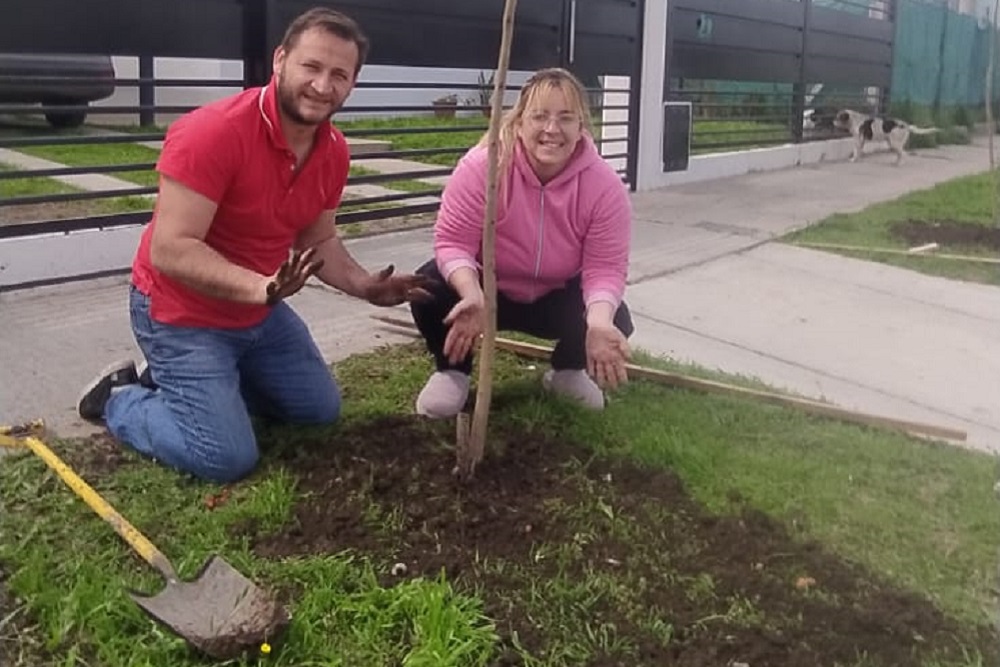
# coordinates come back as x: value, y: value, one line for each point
x: 287, y: 101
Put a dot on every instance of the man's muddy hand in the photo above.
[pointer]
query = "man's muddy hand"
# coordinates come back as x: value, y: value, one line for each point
x: 385, y: 289
x: 291, y: 275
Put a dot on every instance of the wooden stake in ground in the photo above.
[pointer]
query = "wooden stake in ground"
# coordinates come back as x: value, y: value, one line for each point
x: 469, y: 448
x: 990, y: 123
x: 989, y: 85
x: 542, y: 352
x: 989, y: 88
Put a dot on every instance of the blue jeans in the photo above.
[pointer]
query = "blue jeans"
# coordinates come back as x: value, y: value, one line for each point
x: 210, y: 382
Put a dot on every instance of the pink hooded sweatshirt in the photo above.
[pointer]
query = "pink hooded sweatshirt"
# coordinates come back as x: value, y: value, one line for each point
x: 579, y: 223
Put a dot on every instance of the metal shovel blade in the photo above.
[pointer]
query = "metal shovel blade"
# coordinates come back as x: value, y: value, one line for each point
x: 220, y: 612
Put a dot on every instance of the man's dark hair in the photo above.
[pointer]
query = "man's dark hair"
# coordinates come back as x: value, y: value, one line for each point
x: 334, y: 23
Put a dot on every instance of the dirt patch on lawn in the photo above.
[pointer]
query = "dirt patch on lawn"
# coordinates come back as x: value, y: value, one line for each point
x: 947, y: 233
x: 25, y: 213
x: 97, y: 456
x: 16, y: 646
x: 679, y: 585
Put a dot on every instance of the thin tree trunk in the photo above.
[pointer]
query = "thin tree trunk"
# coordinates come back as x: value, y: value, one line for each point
x: 989, y: 88
x: 990, y: 122
x: 470, y: 449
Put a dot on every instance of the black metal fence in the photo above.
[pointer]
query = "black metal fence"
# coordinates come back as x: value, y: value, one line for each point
x: 423, y: 139
x: 449, y: 128
x: 754, y: 71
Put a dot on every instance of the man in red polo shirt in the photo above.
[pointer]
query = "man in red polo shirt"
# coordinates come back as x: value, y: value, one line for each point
x: 249, y: 186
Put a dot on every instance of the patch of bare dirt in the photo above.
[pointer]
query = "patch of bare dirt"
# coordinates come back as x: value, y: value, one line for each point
x: 26, y: 213
x: 97, y: 456
x: 803, y: 606
x: 947, y: 233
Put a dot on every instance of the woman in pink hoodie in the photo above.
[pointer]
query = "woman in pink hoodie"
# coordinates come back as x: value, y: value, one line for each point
x: 562, y: 250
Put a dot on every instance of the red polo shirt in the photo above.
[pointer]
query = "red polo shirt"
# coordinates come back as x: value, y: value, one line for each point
x: 233, y: 151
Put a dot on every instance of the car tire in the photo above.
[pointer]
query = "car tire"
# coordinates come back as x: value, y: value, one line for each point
x: 65, y: 119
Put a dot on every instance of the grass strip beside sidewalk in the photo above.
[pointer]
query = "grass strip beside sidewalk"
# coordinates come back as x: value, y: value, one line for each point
x: 956, y: 215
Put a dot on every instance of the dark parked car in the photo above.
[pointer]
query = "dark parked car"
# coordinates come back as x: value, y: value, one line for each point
x: 28, y: 78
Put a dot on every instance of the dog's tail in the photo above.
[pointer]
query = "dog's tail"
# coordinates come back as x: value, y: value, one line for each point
x: 924, y: 130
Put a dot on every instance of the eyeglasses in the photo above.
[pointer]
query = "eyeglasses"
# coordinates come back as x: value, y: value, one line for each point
x: 541, y: 120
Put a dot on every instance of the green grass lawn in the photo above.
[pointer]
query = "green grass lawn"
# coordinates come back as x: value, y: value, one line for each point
x: 455, y: 135
x: 116, y: 154
x: 750, y: 134
x: 120, y: 154
x: 25, y: 187
x: 612, y: 562
x: 400, y: 184
x: 442, y: 133
x: 82, y: 156
x: 94, y: 155
x: 967, y: 202
x: 131, y: 154
x: 446, y: 133
x: 705, y: 132
x: 30, y: 187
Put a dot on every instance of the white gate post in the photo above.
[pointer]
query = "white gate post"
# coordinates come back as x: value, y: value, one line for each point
x: 654, y: 62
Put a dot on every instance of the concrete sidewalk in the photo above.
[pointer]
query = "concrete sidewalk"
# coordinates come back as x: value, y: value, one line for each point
x: 864, y: 336
x: 706, y: 286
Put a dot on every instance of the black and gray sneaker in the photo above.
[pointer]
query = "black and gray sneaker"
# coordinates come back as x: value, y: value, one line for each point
x: 96, y: 394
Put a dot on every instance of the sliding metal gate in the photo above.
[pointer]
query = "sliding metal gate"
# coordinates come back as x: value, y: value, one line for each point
x: 751, y: 69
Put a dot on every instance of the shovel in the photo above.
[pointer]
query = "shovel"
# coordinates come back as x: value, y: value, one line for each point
x: 220, y: 612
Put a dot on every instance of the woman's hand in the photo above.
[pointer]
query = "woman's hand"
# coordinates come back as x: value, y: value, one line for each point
x: 607, y: 354
x: 466, y: 325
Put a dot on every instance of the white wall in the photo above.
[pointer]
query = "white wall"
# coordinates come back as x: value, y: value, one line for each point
x: 446, y: 78
x: 650, y: 159
x: 127, y: 67
x: 737, y: 163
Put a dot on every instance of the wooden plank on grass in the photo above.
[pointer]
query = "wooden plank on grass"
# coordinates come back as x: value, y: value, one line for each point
x: 542, y: 352
x: 896, y: 251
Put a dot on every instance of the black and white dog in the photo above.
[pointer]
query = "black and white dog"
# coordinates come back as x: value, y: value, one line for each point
x: 877, y: 128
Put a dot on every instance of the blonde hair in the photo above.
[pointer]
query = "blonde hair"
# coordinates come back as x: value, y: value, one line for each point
x: 541, y: 82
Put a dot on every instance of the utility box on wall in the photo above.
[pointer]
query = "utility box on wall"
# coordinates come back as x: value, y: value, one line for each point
x: 677, y: 129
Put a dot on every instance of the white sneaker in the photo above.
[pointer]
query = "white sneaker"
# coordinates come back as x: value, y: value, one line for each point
x: 575, y: 384
x: 444, y: 395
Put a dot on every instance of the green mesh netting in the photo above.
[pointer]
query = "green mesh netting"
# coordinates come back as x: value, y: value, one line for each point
x: 940, y: 57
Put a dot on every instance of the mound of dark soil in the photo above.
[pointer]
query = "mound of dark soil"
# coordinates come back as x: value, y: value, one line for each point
x: 947, y: 233
x: 387, y: 491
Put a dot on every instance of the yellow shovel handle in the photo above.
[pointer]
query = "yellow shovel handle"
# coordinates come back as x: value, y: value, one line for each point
x: 126, y: 530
